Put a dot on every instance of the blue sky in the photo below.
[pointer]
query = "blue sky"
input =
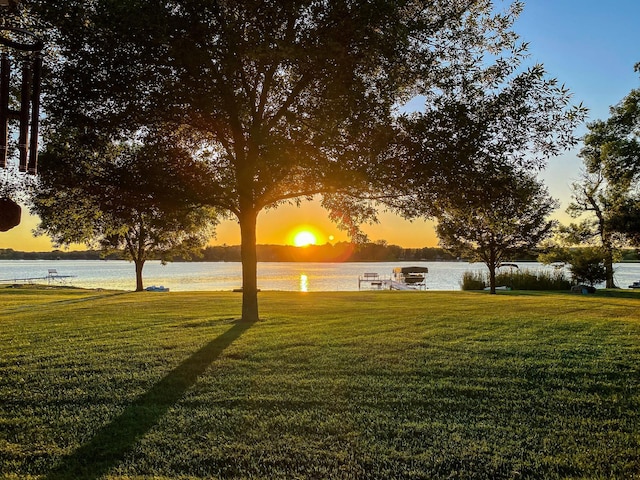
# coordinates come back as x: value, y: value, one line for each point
x: 591, y: 46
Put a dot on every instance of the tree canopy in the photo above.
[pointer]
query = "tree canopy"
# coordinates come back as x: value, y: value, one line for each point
x: 501, y: 118
x: 612, y: 150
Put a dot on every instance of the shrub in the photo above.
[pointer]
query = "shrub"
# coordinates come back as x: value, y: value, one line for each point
x: 518, y: 280
x: 474, y: 281
x: 588, y: 268
x: 534, y: 280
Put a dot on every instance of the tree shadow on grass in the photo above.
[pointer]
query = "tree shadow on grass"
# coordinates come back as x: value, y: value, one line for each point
x: 112, y: 442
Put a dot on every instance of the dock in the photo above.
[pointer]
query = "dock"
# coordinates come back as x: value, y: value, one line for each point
x: 404, y: 278
x: 373, y: 281
x: 52, y: 277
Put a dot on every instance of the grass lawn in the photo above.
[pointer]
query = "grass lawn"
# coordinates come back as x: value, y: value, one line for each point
x: 351, y: 385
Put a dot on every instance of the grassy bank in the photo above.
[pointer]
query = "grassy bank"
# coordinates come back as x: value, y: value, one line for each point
x: 349, y: 385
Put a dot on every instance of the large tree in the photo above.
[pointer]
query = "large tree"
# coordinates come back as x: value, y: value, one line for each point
x: 497, y: 218
x: 591, y: 195
x: 282, y: 99
x: 136, y: 199
x: 606, y: 196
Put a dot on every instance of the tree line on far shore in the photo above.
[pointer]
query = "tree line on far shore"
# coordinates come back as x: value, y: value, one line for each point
x: 378, y: 251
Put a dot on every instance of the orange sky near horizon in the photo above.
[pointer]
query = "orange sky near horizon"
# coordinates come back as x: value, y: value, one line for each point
x: 277, y: 227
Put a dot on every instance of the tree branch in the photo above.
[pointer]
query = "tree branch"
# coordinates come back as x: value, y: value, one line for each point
x: 304, y: 81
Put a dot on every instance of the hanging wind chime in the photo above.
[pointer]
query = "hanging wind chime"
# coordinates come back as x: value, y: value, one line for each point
x: 26, y: 48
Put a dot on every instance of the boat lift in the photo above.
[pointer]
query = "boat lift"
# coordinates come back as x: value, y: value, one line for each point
x: 409, y: 278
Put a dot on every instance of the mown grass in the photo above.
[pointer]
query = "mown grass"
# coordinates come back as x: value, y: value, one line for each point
x: 352, y: 385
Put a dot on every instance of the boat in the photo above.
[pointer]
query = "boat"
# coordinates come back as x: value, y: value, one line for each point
x: 409, y: 277
x: 635, y: 284
x: 155, y: 288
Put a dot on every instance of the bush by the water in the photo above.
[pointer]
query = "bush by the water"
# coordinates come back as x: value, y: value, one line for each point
x: 474, y: 281
x: 518, y: 280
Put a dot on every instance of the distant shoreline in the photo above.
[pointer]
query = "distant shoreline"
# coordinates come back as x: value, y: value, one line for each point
x: 342, y: 252
x: 327, y: 253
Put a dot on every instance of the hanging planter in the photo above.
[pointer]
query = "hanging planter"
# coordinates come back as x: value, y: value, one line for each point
x: 9, y: 214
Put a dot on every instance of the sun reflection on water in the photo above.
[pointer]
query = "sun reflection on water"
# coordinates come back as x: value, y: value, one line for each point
x: 304, y: 283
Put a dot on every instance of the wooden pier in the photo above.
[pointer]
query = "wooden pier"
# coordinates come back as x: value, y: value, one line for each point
x: 373, y: 281
x: 52, y: 277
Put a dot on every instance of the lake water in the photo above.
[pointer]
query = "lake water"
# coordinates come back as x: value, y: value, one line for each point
x: 312, y: 277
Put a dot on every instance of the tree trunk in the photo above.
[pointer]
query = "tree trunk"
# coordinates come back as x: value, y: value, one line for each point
x: 607, y: 242
x: 492, y: 278
x: 492, y: 265
x: 139, y: 264
x: 608, y: 266
x: 249, y: 266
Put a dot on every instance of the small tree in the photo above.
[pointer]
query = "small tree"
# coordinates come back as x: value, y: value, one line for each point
x: 133, y: 199
x: 495, y: 220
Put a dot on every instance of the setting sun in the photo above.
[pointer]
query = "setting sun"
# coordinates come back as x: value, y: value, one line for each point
x: 304, y: 238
